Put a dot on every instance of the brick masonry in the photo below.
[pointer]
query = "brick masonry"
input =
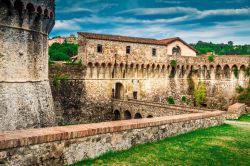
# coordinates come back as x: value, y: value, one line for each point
x: 70, y: 144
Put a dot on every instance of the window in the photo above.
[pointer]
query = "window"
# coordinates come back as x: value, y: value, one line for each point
x: 99, y: 48
x: 153, y: 52
x: 176, y: 51
x: 128, y: 48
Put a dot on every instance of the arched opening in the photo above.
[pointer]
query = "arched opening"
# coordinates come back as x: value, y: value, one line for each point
x: 138, y: 116
x: 39, y: 10
x: 19, y: 7
x: 218, y: 72
x: 149, y: 116
x: 235, y: 71
x: 30, y: 8
x: 173, y: 72
x: 127, y: 115
x: 46, y: 13
x: 226, y: 72
x: 117, y: 115
x: 51, y: 15
x: 119, y: 91
x: 176, y: 51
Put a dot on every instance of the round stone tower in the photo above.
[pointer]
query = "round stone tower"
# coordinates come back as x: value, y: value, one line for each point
x: 25, y: 94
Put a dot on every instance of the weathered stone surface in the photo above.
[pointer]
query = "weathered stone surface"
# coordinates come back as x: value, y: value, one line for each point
x: 236, y: 110
x: 25, y: 95
x: 69, y: 144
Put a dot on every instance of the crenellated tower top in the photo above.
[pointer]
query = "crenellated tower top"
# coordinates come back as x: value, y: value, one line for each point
x: 35, y: 15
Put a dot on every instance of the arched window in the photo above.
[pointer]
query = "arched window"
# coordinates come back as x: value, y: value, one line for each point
x: 176, y: 51
x: 19, y: 6
x: 127, y: 115
x: 117, y: 115
x: 138, y: 116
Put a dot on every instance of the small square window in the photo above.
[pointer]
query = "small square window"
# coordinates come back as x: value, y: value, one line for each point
x: 153, y: 52
x: 99, y: 48
x: 128, y: 49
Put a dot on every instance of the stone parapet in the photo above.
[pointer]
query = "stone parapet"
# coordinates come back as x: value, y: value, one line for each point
x: 70, y: 144
x: 236, y: 110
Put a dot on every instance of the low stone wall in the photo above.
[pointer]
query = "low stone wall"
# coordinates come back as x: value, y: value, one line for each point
x: 236, y: 110
x: 70, y: 144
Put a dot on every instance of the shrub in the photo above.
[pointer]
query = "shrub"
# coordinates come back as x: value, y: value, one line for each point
x: 239, y: 89
x: 247, y: 71
x: 211, y: 58
x: 173, y: 63
x: 51, y: 62
x: 200, y: 94
x: 59, y: 56
x: 170, y: 100
x: 57, y: 80
x: 184, y: 99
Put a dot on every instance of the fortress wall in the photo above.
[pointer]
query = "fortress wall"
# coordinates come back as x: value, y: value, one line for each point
x: 97, y: 85
x: 25, y: 95
x: 70, y: 144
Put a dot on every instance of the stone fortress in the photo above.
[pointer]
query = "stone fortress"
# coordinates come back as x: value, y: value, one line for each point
x: 121, y: 69
x: 25, y: 95
x: 122, y: 83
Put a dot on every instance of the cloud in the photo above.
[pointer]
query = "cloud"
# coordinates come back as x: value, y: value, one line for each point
x: 74, y: 10
x: 67, y: 25
x: 186, y: 10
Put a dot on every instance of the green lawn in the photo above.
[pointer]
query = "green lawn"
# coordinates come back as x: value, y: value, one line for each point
x: 225, y: 145
x: 244, y: 118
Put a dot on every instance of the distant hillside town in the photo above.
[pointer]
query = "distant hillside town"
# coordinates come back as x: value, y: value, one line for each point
x: 59, y: 39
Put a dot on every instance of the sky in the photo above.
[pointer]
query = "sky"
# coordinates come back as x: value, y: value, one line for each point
x: 218, y: 21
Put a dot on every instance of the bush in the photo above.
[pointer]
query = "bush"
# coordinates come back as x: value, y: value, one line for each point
x: 184, y: 99
x: 200, y: 94
x: 51, y: 62
x: 170, y: 100
x: 59, y: 56
x: 57, y: 80
x: 173, y: 63
x: 247, y: 71
x: 239, y: 89
x: 62, y: 52
x: 211, y: 58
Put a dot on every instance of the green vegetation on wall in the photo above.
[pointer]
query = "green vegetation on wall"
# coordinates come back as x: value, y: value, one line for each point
x: 173, y: 63
x: 170, y: 100
x: 222, y: 49
x: 243, y: 94
x: 200, y: 94
x: 62, y: 52
x: 57, y: 80
x: 211, y: 58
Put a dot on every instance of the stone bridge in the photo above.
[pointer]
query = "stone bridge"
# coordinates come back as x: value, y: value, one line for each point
x: 135, y: 109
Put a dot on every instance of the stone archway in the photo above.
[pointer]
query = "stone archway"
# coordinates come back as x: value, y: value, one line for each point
x: 119, y: 91
x: 127, y: 115
x: 138, y: 116
x: 117, y: 115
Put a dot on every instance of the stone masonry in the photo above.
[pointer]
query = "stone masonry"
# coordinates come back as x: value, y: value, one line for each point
x: 70, y: 144
x: 25, y: 95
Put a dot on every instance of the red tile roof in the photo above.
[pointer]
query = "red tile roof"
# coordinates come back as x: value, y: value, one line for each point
x: 163, y: 42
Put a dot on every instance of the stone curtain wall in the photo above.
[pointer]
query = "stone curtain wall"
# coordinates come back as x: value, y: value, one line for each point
x: 25, y: 94
x: 70, y: 144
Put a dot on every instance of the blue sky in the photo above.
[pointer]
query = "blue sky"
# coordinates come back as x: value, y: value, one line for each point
x: 193, y: 20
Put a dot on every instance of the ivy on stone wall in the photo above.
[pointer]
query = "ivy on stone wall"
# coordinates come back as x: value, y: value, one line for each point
x: 57, y: 80
x: 173, y: 63
x: 200, y: 94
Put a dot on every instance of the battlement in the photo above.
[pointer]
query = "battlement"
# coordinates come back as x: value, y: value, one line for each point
x: 34, y: 15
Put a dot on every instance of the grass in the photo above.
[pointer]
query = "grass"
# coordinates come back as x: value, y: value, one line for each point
x: 244, y: 118
x: 218, y: 146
